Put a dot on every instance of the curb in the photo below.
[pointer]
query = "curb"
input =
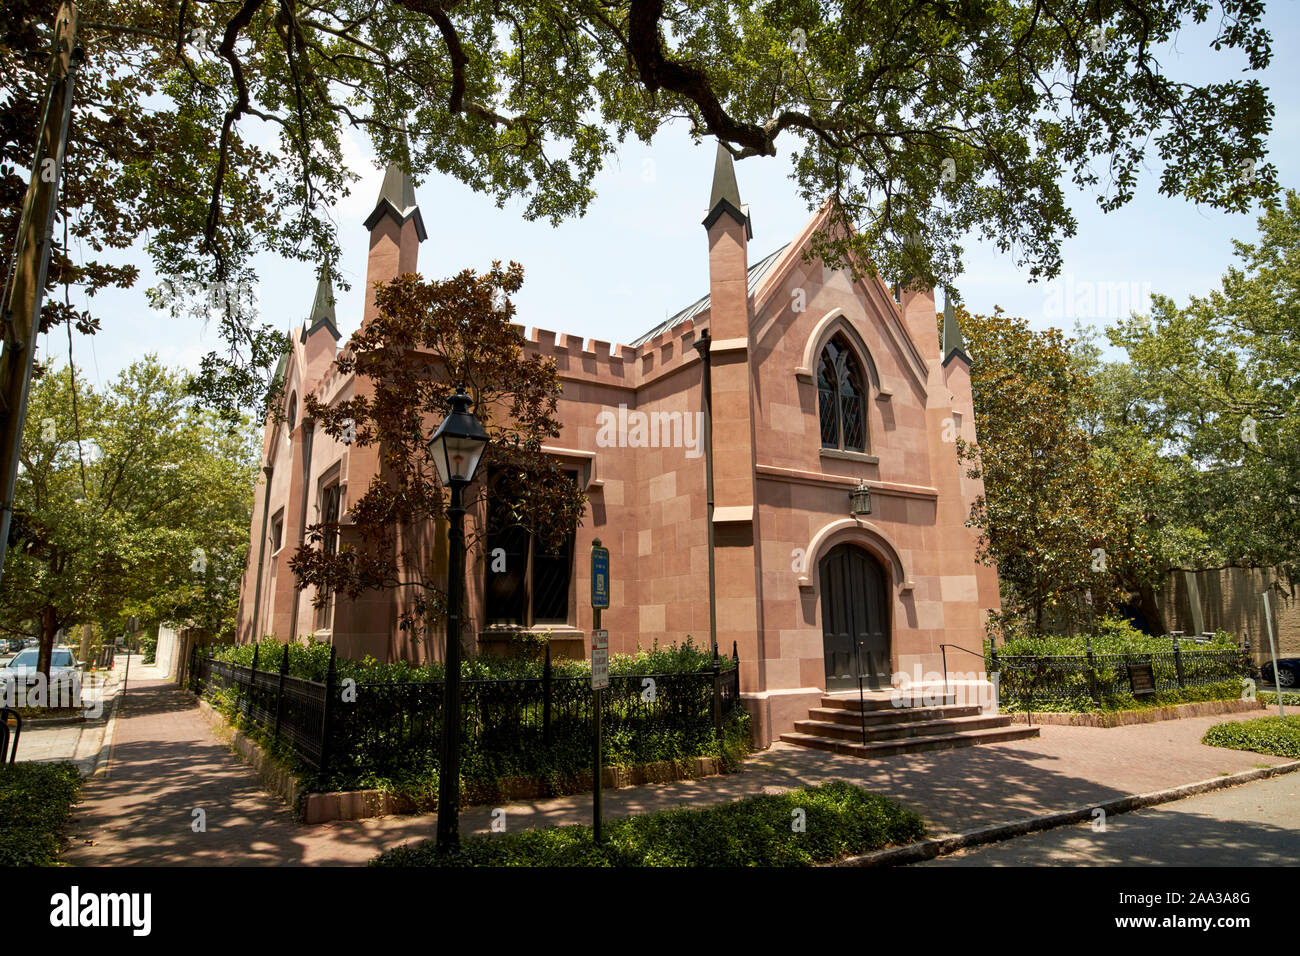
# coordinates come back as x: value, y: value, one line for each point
x: 110, y: 733
x: 37, y: 723
x: 1109, y: 720
x: 942, y: 846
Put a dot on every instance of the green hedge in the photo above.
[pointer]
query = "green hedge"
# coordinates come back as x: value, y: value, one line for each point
x: 1083, y: 704
x: 838, y: 820
x: 36, y: 801
x: 1266, y: 735
x: 563, y: 768
x: 1289, y: 699
x: 1110, y: 635
x: 310, y: 661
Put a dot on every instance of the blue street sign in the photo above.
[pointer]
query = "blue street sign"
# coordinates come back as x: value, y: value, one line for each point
x: 600, y: 578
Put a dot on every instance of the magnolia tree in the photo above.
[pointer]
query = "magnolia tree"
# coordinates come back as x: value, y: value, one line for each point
x: 1063, y: 523
x: 428, y: 339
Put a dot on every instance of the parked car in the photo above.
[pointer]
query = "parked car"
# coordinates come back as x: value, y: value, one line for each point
x: 14, y: 645
x: 1288, y: 671
x: 21, y: 671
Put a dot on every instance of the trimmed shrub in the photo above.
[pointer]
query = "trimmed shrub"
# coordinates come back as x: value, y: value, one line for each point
x: 1289, y: 698
x: 798, y: 828
x: 1279, y: 736
x: 1083, y: 704
x: 310, y: 661
x: 1110, y: 635
x: 389, y: 749
x: 36, y: 801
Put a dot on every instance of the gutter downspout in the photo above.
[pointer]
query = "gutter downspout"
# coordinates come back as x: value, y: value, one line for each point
x: 308, y: 433
x: 702, y: 346
x: 269, y: 470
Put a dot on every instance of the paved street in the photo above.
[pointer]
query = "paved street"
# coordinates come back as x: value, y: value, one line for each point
x: 166, y: 763
x: 1256, y: 824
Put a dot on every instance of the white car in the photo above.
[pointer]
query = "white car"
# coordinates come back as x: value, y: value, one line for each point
x: 20, y: 680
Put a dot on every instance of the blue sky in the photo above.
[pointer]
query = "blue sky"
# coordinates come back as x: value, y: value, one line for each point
x: 640, y: 252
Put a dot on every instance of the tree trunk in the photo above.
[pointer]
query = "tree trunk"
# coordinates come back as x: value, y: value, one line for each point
x: 49, y: 630
x: 1150, y: 609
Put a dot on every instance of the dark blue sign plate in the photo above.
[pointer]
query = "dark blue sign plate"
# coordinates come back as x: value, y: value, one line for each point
x: 600, y: 578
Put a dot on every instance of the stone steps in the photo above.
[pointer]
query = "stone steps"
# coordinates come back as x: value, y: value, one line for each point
x: 899, y: 729
x: 837, y: 726
x: 892, y: 748
x: 880, y: 700
x: 852, y: 718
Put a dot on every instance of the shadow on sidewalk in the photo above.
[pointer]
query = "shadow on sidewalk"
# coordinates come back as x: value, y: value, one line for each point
x: 166, y: 764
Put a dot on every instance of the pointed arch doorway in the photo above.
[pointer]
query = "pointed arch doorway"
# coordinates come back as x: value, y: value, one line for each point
x: 855, y: 615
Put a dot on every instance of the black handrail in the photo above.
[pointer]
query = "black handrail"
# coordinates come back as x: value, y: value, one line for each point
x: 943, y: 649
x: 5, y: 714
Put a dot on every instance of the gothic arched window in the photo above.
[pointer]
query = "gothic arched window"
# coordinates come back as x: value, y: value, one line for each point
x: 841, y: 397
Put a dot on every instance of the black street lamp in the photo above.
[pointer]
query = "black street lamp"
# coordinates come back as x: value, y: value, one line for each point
x: 456, y: 448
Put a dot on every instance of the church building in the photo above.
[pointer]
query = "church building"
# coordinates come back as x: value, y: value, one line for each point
x: 838, y: 523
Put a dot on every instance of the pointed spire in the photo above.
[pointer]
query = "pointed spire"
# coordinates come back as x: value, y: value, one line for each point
x: 322, y: 309
x: 726, y: 194
x: 397, y: 195
x: 953, y: 344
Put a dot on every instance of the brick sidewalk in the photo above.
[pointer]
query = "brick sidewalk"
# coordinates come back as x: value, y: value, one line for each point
x: 166, y: 763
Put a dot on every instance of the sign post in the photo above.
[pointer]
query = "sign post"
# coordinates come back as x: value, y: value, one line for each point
x: 1272, y: 650
x: 599, y: 666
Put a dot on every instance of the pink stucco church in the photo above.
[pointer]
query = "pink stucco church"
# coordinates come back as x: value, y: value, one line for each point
x: 818, y: 384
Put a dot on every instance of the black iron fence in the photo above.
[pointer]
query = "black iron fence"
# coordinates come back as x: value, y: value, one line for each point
x: 1035, y: 681
x: 346, y: 731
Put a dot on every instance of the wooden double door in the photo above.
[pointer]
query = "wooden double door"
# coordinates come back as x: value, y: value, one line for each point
x: 855, y: 618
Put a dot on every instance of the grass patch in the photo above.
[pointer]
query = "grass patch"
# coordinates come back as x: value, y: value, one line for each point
x: 1279, y: 736
x: 36, y: 801
x: 49, y: 713
x: 798, y: 828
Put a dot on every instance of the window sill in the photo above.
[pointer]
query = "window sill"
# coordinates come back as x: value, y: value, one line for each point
x: 556, y: 632
x: 850, y: 456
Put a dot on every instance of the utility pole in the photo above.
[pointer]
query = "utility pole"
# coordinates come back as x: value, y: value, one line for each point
x: 24, y: 291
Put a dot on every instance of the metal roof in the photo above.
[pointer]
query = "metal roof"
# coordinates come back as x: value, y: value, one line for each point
x: 756, y: 273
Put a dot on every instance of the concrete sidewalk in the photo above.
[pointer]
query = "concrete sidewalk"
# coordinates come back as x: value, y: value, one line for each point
x: 83, y: 742
x: 166, y: 764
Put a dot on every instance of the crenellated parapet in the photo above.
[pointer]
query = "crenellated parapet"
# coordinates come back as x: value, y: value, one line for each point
x: 588, y: 360
x: 332, y: 381
x: 627, y: 366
